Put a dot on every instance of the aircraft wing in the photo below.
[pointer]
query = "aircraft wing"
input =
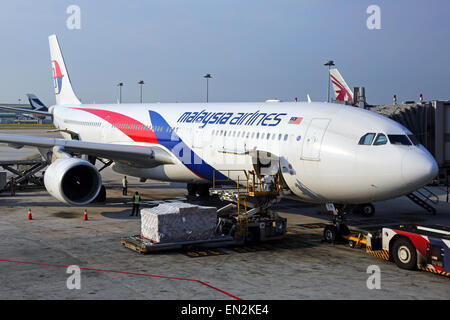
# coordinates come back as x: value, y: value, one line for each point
x: 20, y: 110
x: 133, y: 155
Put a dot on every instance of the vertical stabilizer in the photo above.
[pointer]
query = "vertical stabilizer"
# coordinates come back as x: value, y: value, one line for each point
x: 63, y: 88
x: 340, y: 87
x: 35, y: 103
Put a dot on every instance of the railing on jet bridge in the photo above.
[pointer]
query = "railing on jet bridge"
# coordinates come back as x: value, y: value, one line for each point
x: 428, y: 195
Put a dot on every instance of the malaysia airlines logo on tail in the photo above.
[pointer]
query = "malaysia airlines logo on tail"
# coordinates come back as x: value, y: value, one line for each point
x: 57, y: 76
x: 340, y: 87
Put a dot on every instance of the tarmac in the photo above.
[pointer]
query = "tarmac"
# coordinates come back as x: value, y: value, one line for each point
x: 35, y: 254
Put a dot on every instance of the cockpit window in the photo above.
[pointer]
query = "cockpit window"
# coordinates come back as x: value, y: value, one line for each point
x: 380, y: 140
x: 413, y: 139
x: 399, y: 139
x: 367, y: 139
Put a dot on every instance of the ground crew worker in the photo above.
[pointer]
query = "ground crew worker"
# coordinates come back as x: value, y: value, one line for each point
x: 136, y: 201
x: 124, y: 186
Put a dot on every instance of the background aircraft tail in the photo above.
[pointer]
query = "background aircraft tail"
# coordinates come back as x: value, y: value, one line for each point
x: 340, y: 87
x: 63, y: 88
x: 35, y: 103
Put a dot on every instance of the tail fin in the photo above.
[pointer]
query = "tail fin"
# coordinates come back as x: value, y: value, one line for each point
x: 340, y: 87
x: 35, y: 103
x: 63, y: 89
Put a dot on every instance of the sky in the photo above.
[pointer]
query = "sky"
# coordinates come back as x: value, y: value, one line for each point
x: 254, y: 50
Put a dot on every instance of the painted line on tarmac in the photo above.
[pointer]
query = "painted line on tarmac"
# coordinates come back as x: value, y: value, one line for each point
x: 129, y: 273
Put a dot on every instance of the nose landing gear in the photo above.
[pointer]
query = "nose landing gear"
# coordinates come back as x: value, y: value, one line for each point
x: 335, y: 233
x: 366, y: 210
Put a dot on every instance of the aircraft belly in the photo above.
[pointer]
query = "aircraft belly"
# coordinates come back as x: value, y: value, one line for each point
x: 174, y: 173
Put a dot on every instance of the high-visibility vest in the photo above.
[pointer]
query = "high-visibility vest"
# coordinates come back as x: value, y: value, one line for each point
x: 124, y: 182
x: 137, y: 198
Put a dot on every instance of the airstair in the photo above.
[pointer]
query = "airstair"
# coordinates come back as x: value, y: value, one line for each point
x: 424, y: 198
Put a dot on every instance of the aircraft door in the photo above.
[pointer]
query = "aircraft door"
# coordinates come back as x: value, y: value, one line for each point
x: 265, y: 163
x: 313, y: 139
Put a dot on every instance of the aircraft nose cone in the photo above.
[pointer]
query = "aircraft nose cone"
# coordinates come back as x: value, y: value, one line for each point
x: 418, y: 167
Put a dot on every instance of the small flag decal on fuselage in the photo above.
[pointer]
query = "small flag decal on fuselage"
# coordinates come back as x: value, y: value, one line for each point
x: 295, y: 120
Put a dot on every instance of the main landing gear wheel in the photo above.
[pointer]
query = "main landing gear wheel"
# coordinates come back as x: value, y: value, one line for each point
x: 192, y: 189
x: 405, y: 255
x: 203, y: 190
x: 101, y: 197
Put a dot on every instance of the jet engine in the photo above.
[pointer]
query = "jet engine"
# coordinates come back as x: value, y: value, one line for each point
x: 73, y: 181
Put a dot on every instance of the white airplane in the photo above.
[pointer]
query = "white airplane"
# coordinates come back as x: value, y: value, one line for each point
x: 325, y: 152
x: 38, y: 109
x: 35, y: 103
x: 341, y: 90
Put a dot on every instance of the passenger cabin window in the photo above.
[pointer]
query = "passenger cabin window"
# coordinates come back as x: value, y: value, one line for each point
x: 399, y: 139
x: 367, y: 139
x: 380, y: 140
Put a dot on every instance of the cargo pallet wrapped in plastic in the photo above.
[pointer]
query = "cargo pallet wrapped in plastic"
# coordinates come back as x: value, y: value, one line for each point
x: 172, y: 222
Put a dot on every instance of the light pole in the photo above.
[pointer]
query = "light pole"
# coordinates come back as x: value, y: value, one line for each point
x: 207, y: 77
x: 141, y: 83
x: 329, y: 63
x: 120, y: 85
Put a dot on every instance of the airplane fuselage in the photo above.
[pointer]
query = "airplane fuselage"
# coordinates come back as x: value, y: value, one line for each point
x: 317, y: 146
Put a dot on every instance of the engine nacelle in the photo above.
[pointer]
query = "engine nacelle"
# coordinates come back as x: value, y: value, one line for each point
x: 73, y: 181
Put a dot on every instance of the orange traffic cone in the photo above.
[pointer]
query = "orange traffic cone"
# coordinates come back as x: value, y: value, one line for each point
x: 85, y: 217
x: 29, y: 215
